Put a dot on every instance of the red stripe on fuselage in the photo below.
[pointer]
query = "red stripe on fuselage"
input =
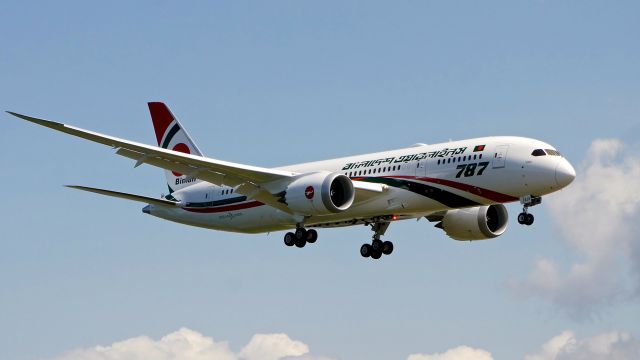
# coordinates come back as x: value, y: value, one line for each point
x: 247, y: 205
x: 485, y: 193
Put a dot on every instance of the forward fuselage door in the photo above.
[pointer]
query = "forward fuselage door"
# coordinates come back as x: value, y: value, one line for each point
x: 500, y: 156
x: 421, y: 168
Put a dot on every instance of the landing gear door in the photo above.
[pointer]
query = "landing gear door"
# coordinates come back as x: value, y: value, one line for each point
x: 500, y: 156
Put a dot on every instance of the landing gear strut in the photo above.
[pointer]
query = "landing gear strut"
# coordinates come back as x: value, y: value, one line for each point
x: 524, y: 218
x: 377, y: 248
x: 300, y: 237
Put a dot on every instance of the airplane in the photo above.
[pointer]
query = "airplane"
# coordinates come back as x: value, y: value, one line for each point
x: 461, y: 186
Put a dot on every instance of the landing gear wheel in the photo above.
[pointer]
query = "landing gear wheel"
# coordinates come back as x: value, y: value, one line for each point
x: 376, y: 254
x: 311, y: 236
x: 289, y: 239
x: 387, y: 247
x: 301, y: 233
x: 522, y: 218
x: 529, y: 220
x: 377, y: 245
x: 366, y: 250
x: 300, y: 243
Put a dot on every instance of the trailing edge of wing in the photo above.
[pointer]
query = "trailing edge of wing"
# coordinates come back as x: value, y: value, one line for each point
x: 121, y: 195
x: 249, y: 178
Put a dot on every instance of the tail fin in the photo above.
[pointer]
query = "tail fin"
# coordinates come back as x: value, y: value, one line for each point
x: 172, y: 135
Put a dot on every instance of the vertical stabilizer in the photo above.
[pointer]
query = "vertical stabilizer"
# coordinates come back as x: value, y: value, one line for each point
x: 172, y: 135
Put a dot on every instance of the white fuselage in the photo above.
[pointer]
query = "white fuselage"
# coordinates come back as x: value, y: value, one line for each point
x: 420, y: 180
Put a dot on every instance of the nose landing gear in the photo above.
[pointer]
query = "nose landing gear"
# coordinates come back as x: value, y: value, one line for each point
x: 524, y: 218
x: 377, y: 248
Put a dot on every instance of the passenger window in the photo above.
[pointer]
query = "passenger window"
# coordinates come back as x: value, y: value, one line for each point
x: 474, y: 157
x: 538, y: 152
x: 480, y: 156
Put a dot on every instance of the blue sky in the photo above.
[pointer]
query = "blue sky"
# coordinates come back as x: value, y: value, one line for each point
x: 291, y: 81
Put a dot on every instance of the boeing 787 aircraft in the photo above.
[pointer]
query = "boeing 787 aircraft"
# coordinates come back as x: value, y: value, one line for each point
x: 460, y: 186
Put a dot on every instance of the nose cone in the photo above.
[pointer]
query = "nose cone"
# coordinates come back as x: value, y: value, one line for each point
x: 147, y: 209
x: 565, y: 173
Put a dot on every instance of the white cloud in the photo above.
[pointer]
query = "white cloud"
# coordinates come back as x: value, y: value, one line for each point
x: 458, y: 353
x: 272, y: 347
x: 550, y: 350
x: 609, y: 346
x: 186, y: 344
x: 182, y: 344
x: 596, y: 216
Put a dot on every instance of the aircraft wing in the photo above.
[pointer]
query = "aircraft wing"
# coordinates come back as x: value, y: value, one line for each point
x: 251, y: 180
x: 121, y: 195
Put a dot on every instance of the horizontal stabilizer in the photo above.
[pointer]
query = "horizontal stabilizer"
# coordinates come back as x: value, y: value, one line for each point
x: 144, y: 199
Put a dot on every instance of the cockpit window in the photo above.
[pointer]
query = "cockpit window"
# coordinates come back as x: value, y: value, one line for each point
x: 538, y: 152
x: 553, y: 152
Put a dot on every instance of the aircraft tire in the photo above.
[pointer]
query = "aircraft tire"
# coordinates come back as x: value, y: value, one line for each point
x: 301, y: 243
x: 377, y: 245
x: 387, y: 247
x: 311, y: 236
x: 376, y: 254
x: 522, y: 218
x: 289, y: 239
x: 300, y: 233
x: 529, y: 220
x: 366, y: 250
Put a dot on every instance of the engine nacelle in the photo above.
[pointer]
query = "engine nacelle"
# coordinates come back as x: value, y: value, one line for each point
x: 479, y: 223
x: 320, y: 193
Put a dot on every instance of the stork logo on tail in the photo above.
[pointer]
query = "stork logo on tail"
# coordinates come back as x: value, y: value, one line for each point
x: 183, y: 148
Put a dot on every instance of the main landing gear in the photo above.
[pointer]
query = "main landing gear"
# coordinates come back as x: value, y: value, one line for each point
x: 524, y: 218
x: 300, y: 237
x: 377, y: 248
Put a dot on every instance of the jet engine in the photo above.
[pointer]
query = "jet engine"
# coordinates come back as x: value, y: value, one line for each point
x: 320, y: 193
x: 479, y: 223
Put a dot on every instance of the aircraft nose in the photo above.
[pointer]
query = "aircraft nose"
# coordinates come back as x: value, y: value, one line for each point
x: 565, y: 173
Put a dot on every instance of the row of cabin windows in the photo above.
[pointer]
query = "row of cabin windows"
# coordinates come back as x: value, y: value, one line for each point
x: 394, y: 168
x: 222, y: 192
x: 372, y: 171
x: 459, y: 159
